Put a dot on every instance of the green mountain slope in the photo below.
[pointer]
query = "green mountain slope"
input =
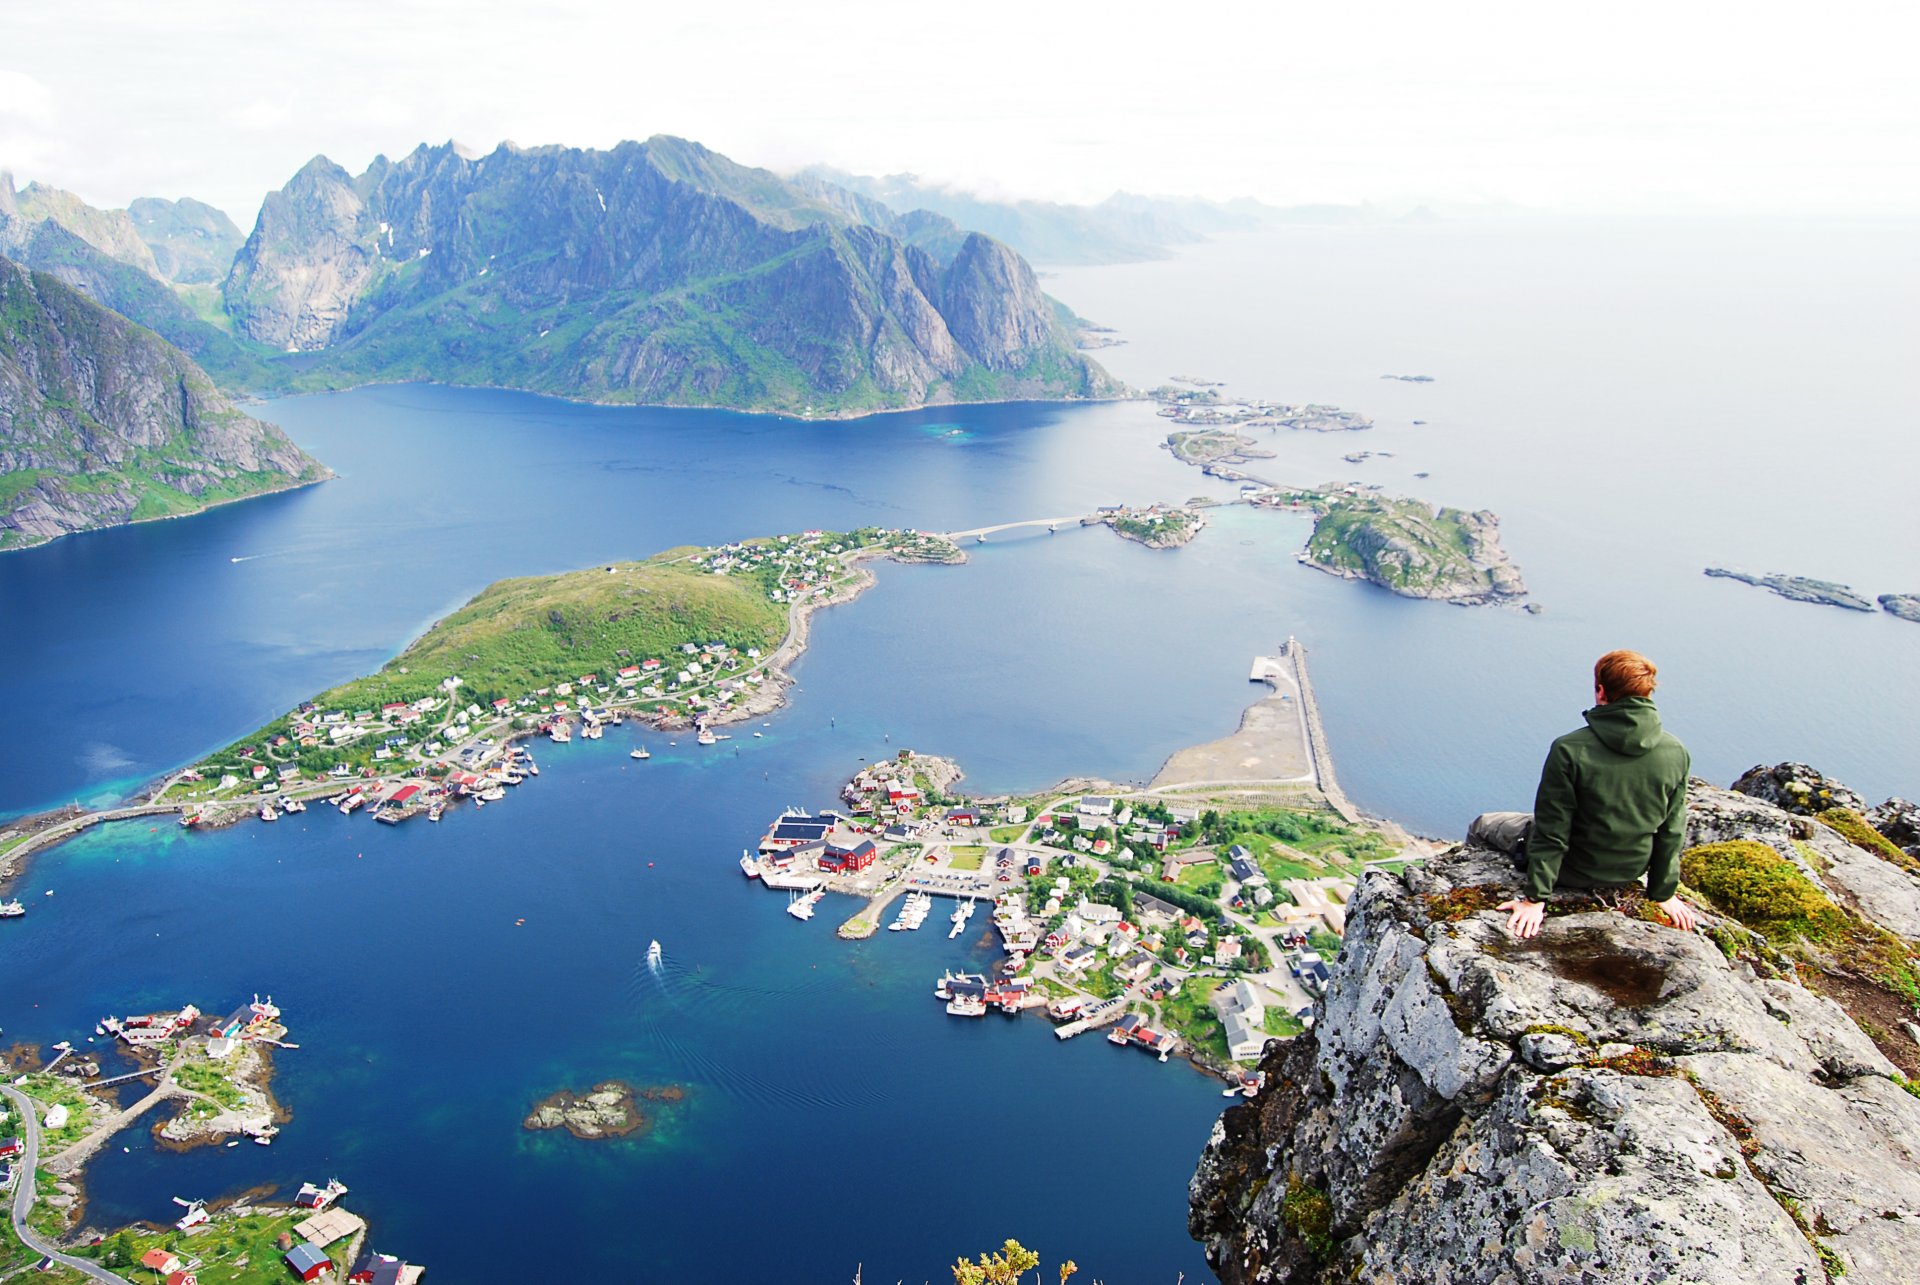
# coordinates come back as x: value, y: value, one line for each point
x: 652, y: 272
x: 103, y: 422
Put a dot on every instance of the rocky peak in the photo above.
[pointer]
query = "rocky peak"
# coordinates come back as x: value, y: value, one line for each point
x: 1613, y: 1101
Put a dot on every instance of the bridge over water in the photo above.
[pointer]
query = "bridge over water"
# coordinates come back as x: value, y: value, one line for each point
x: 1076, y: 519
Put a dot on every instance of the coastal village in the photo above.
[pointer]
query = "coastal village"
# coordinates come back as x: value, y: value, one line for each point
x: 1190, y: 921
x: 458, y: 739
x: 54, y: 1118
x: 1181, y: 920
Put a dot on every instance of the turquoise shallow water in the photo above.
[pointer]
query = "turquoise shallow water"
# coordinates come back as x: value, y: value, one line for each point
x: 834, y: 1110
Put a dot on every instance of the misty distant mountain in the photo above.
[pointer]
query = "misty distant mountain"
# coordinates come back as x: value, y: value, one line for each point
x: 1124, y: 228
x: 192, y: 243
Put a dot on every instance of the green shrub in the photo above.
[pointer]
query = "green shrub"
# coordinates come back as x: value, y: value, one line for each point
x: 1751, y: 882
x: 1308, y: 1213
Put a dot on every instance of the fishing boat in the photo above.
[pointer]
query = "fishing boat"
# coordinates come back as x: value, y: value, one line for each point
x: 706, y: 737
x: 748, y: 866
x: 967, y: 1006
x: 433, y: 813
x: 11, y: 910
x: 801, y: 907
x: 267, y: 813
x: 533, y: 768
x: 653, y: 953
x: 493, y: 795
x: 293, y: 805
x: 638, y: 754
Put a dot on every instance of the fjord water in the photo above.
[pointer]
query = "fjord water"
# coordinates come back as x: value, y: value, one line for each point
x: 1635, y: 403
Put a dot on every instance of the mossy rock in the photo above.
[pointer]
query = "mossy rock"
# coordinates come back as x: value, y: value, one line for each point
x: 1752, y: 883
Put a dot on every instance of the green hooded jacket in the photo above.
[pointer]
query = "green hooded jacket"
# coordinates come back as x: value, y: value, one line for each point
x: 1612, y: 804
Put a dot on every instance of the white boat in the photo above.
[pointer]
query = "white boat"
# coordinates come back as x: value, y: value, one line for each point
x: 748, y: 866
x: 433, y: 813
x: 493, y: 795
x: 967, y: 1007
x: 591, y: 732
x: 706, y: 737
x: 638, y: 754
x: 653, y: 953
x: 533, y: 768
x: 11, y: 910
x: 293, y: 805
x: 267, y: 813
x: 560, y: 733
x: 802, y: 907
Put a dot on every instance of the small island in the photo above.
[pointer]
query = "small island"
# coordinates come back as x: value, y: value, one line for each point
x: 1158, y: 527
x: 1410, y: 379
x: 1410, y: 547
x: 1906, y: 606
x: 1800, y: 588
x: 610, y: 1109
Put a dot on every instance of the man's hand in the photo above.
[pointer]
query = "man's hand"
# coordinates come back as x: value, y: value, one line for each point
x: 1525, y: 920
x: 1678, y: 913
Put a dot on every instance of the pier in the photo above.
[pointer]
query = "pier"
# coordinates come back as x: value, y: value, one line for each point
x: 1106, y: 1012
x: 1317, y: 736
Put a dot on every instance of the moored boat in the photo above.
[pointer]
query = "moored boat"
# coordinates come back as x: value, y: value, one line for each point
x: 11, y: 910
x: 748, y: 866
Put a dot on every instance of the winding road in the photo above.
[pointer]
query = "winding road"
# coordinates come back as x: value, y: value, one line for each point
x: 24, y: 1195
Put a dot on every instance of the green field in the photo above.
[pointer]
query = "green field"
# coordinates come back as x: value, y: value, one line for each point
x: 517, y: 637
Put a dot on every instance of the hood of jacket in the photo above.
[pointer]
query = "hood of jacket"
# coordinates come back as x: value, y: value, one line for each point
x: 1630, y: 726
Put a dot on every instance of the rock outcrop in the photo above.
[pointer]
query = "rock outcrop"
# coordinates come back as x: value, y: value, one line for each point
x: 1613, y: 1101
x: 1906, y: 606
x: 103, y: 422
x: 653, y: 272
x: 1799, y: 588
x: 608, y: 1110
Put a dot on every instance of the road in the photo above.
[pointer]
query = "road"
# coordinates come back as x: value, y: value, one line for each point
x: 24, y: 1194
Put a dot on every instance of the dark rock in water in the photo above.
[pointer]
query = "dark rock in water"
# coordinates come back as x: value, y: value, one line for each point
x: 1800, y: 588
x: 1904, y: 605
x: 1612, y: 1102
x: 607, y: 1110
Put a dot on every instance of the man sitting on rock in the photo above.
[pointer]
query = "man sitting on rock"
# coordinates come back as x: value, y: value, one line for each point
x: 1612, y: 803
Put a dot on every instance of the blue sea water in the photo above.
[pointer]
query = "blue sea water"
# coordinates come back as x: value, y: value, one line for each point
x: 1635, y: 402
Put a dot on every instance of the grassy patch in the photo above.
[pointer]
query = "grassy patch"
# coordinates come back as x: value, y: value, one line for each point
x: 1006, y: 833
x: 1853, y: 827
x: 1307, y: 1212
x: 969, y: 856
x: 232, y: 1251
x: 204, y: 1077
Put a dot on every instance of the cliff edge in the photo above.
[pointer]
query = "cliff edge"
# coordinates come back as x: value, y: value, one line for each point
x: 1615, y: 1100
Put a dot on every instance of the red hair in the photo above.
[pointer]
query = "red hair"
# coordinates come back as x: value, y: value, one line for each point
x: 1621, y: 674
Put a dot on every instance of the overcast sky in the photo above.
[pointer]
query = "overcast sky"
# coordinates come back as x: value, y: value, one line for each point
x: 1676, y: 104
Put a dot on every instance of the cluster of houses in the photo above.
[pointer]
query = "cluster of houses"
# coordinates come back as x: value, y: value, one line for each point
x: 1203, y: 408
x: 795, y: 568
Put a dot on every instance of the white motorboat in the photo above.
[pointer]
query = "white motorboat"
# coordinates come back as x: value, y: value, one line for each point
x: 653, y: 953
